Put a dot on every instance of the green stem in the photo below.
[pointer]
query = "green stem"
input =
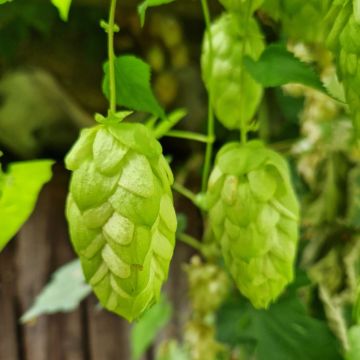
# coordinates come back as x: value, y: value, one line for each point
x: 165, y: 126
x: 189, y: 136
x: 189, y: 240
x: 211, y: 118
x: 111, y: 54
x: 185, y: 192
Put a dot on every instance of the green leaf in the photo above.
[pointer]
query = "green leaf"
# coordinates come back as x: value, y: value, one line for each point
x: 277, y: 66
x: 285, y: 329
x: 63, y: 294
x: 133, y: 88
x: 64, y: 7
x: 4, y: 1
x: 354, y: 342
x: 145, y: 330
x: 149, y: 3
x: 20, y: 187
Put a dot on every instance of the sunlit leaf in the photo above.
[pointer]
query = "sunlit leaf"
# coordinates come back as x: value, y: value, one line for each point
x: 149, y: 3
x: 20, y: 187
x: 64, y: 7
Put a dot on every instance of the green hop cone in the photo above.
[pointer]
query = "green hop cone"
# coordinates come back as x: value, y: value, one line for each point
x: 121, y: 215
x: 234, y: 93
x: 253, y: 212
x: 293, y: 14
x: 344, y: 41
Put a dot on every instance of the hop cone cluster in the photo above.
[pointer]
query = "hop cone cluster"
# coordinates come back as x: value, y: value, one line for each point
x: 344, y: 41
x: 208, y: 286
x: 235, y: 94
x: 200, y: 340
x: 121, y: 215
x: 253, y: 212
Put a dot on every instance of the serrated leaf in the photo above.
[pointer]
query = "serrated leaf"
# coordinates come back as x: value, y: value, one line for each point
x: 149, y: 3
x: 63, y: 294
x: 354, y: 342
x: 64, y: 7
x: 285, y: 328
x: 146, y: 329
x: 277, y: 66
x: 133, y: 88
x: 21, y: 185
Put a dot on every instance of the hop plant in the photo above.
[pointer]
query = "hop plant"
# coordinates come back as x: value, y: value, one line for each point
x: 235, y: 94
x: 293, y: 14
x: 344, y: 41
x: 200, y: 340
x: 253, y: 212
x: 208, y: 285
x: 241, y: 6
x: 121, y: 215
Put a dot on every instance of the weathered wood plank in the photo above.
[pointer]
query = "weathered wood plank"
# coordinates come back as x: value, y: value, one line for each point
x: 33, y: 267
x: 43, y: 245
x: 108, y: 334
x: 8, y: 318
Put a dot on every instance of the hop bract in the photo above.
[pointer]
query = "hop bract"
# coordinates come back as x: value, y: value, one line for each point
x: 121, y: 215
x: 234, y: 93
x: 253, y: 212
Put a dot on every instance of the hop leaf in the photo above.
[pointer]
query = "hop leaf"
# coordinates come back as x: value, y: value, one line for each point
x: 344, y: 41
x: 234, y: 93
x: 253, y: 213
x: 121, y: 215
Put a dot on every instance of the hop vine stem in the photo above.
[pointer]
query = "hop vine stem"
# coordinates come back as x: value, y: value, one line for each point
x: 211, y: 119
x: 111, y: 55
x: 184, y: 192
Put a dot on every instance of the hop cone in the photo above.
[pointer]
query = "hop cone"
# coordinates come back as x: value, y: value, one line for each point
x: 121, y: 215
x: 344, y: 41
x: 234, y: 93
x: 253, y: 212
x: 293, y: 14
